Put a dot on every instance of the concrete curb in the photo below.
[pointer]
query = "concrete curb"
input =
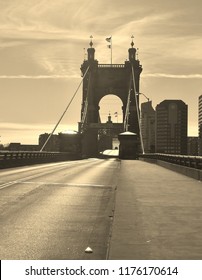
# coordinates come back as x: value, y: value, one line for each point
x: 187, y: 171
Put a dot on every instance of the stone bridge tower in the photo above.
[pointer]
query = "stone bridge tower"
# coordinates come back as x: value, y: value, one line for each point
x: 102, y: 80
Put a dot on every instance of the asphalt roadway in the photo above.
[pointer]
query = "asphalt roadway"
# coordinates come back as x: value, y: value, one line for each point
x: 126, y: 210
x: 56, y: 211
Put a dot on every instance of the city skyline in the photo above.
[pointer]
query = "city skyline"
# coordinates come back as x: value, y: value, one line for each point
x: 43, y: 44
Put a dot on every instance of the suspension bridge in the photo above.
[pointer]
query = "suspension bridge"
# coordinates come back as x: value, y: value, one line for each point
x: 121, y: 209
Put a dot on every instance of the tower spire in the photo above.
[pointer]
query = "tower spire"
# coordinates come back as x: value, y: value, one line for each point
x: 91, y: 50
x: 91, y: 41
x: 132, y: 43
x: 132, y: 51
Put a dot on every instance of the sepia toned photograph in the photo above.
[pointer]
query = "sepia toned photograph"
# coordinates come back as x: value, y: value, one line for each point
x: 101, y: 130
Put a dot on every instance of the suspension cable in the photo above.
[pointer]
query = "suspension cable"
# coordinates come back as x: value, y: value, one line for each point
x: 138, y: 113
x: 84, y: 111
x: 125, y: 125
x: 86, y: 104
x: 64, y: 111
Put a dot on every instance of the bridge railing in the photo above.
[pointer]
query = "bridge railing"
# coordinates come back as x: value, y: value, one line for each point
x: 20, y: 158
x: 189, y: 161
x: 111, y: 65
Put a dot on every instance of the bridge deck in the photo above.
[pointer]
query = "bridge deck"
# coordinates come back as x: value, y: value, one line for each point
x: 158, y: 214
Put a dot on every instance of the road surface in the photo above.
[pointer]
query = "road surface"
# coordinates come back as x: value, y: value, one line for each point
x: 57, y: 210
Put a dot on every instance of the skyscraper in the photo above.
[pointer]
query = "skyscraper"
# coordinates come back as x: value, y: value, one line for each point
x: 171, y: 127
x: 200, y: 125
x: 148, y: 126
x: 192, y: 145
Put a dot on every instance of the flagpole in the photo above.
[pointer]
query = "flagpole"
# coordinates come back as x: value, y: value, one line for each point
x: 111, y: 49
x: 109, y: 40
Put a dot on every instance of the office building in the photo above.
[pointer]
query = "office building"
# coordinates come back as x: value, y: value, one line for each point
x: 52, y: 145
x: 148, y: 126
x: 171, y: 127
x: 200, y: 126
x: 21, y: 147
x: 192, y: 146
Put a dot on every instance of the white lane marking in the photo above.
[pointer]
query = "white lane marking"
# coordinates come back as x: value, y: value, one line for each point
x: 69, y: 184
x: 8, y: 184
x: 47, y: 165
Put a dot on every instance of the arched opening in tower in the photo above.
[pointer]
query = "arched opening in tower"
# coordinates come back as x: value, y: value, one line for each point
x: 111, y: 114
x: 111, y: 106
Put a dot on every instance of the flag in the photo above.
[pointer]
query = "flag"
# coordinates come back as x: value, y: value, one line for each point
x: 109, y: 39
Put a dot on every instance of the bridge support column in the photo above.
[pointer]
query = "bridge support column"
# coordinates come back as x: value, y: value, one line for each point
x: 89, y: 143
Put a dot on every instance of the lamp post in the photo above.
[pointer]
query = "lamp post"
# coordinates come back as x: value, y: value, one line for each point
x: 144, y: 96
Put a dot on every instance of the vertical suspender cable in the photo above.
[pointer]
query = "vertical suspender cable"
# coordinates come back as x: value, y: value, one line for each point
x: 138, y: 113
x: 64, y: 111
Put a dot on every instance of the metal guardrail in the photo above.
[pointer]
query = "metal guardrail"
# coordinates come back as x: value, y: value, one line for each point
x: 189, y: 161
x: 20, y: 158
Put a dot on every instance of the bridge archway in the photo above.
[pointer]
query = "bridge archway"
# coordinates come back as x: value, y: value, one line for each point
x: 111, y: 105
x: 101, y: 80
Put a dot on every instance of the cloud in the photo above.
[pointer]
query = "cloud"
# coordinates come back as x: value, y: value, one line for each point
x: 28, y: 127
x: 163, y: 75
x: 20, y: 126
x: 146, y: 75
x: 40, y: 59
x: 39, y: 77
x: 42, y: 19
x: 42, y: 47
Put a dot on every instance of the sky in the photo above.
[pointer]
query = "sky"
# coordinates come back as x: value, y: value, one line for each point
x: 43, y: 44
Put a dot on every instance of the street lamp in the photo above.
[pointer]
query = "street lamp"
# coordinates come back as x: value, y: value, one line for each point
x: 144, y: 96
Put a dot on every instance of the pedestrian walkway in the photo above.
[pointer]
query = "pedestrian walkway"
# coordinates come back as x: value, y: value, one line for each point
x: 158, y: 214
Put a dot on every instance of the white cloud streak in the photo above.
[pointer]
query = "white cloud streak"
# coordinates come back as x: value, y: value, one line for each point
x: 162, y: 75
x: 146, y: 75
x: 39, y: 77
x: 22, y: 126
x: 44, y: 40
